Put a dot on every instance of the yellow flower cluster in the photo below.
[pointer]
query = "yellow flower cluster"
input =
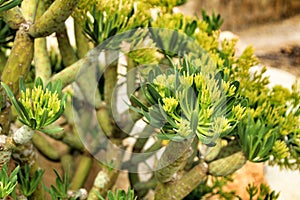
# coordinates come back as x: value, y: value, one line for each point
x: 38, y: 101
x: 170, y: 104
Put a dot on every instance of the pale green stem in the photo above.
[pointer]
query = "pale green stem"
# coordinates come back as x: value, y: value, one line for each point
x: 52, y: 19
x: 43, y: 145
x: 110, y: 78
x: 29, y: 8
x: 178, y: 189
x: 82, y: 42
x: 66, y: 50
x: 13, y: 17
x: 81, y: 173
x: 42, y: 62
x: 173, y: 159
x: 68, y: 75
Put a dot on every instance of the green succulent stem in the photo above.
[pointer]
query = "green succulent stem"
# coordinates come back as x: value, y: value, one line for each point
x: 68, y: 165
x: 68, y: 75
x: 19, y: 60
x: 110, y: 76
x: 52, y: 19
x: 43, y: 145
x: 41, y: 59
x: 82, y: 171
x: 66, y: 50
x: 13, y: 17
x: 180, y: 188
x: 18, y: 64
x: 173, y: 159
x: 104, y: 120
x: 29, y: 9
x: 227, y: 165
x: 82, y: 42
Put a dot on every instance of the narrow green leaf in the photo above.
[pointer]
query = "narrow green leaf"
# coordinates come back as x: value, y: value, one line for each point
x: 38, y: 82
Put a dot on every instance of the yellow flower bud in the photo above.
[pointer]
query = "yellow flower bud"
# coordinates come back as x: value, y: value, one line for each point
x: 170, y: 104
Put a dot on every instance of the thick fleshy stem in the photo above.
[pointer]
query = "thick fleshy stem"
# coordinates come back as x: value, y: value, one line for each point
x: 180, y: 188
x: 52, y: 19
x: 82, y: 171
x: 13, y: 17
x: 43, y: 145
x: 68, y: 75
x: 66, y: 50
x: 110, y: 78
x: 173, y: 159
x: 18, y: 64
x: 19, y: 60
x: 29, y: 8
x: 82, y: 42
x: 41, y: 58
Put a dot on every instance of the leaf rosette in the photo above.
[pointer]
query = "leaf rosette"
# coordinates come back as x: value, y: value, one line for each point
x: 40, y: 106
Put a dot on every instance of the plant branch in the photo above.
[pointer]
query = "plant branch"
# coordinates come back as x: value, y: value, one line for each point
x: 13, y: 17
x: 66, y: 50
x: 52, y: 19
x: 81, y: 173
x: 180, y: 188
x: 29, y: 9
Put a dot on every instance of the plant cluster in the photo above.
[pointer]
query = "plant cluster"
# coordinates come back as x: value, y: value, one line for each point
x: 198, y: 98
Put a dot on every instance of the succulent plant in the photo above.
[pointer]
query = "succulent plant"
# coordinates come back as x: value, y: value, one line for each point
x: 187, y: 99
x: 40, y: 106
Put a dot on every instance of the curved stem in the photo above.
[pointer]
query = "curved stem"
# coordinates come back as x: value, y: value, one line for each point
x: 42, y: 144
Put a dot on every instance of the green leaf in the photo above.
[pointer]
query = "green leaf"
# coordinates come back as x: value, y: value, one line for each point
x: 9, y: 5
x: 22, y: 85
x: 154, y: 94
x: 38, y: 82
x: 139, y: 104
x: 12, y: 98
x: 194, y: 120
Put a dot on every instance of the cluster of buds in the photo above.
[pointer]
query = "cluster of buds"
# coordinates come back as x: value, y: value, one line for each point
x: 187, y: 99
x: 36, y: 108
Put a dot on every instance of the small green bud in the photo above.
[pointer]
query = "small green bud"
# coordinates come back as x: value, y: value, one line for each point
x: 184, y: 128
x: 220, y: 124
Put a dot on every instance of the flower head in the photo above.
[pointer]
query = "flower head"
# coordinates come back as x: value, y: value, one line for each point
x: 38, y: 107
x: 170, y: 104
